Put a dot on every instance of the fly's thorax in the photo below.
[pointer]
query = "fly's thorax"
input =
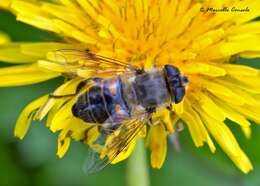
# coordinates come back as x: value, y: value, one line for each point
x: 146, y: 90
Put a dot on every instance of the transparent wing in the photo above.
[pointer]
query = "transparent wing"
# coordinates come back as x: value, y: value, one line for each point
x: 114, y: 144
x: 82, y: 62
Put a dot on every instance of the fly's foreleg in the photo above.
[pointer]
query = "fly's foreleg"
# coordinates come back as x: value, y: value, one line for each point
x: 170, y: 107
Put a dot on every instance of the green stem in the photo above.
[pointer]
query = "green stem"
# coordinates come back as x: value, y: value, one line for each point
x: 137, y: 168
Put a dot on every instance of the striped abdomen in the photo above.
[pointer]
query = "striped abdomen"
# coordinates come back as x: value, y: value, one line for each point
x: 103, y: 102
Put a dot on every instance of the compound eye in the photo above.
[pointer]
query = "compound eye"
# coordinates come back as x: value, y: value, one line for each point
x: 179, y: 94
x: 171, y: 70
x: 175, y: 82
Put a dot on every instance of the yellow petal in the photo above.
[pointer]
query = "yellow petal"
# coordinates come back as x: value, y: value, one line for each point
x: 69, y: 4
x: 209, y: 106
x: 24, y: 75
x: 250, y: 112
x: 233, y: 115
x: 25, y: 118
x: 88, y: 7
x: 169, y: 121
x: 251, y: 27
x: 178, y: 108
x: 73, y: 32
x: 187, y: 18
x: 250, y: 54
x: 5, y: 4
x: 31, y: 13
x: 165, y: 116
x: 40, y: 49
x: 222, y: 134
x: 92, y: 135
x: 235, y: 46
x: 251, y: 81
x: 247, y: 131
x: 55, y: 67
x: 222, y: 92
x: 65, y: 89
x: 253, y: 13
x: 4, y: 38
x: 228, y: 142
x: 75, y: 18
x: 207, y: 39
x: 240, y: 70
x: 63, y: 143
x: 12, y: 53
x: 63, y: 118
x: 196, y: 127
x: 52, y: 112
x: 158, y: 145
x: 205, y: 69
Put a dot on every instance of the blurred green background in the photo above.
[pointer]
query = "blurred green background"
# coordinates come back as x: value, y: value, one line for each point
x: 33, y: 161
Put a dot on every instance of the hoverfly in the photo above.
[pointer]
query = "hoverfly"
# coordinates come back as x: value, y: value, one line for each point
x: 125, y: 102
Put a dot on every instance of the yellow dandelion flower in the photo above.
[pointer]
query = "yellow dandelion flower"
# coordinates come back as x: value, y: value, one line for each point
x: 147, y: 34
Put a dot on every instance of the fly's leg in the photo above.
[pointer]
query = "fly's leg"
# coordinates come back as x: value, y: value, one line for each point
x: 78, y: 89
x: 174, y: 137
x: 150, y: 121
x: 61, y: 96
x: 170, y: 107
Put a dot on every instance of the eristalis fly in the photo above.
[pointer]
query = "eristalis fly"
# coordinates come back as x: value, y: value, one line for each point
x: 123, y: 103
